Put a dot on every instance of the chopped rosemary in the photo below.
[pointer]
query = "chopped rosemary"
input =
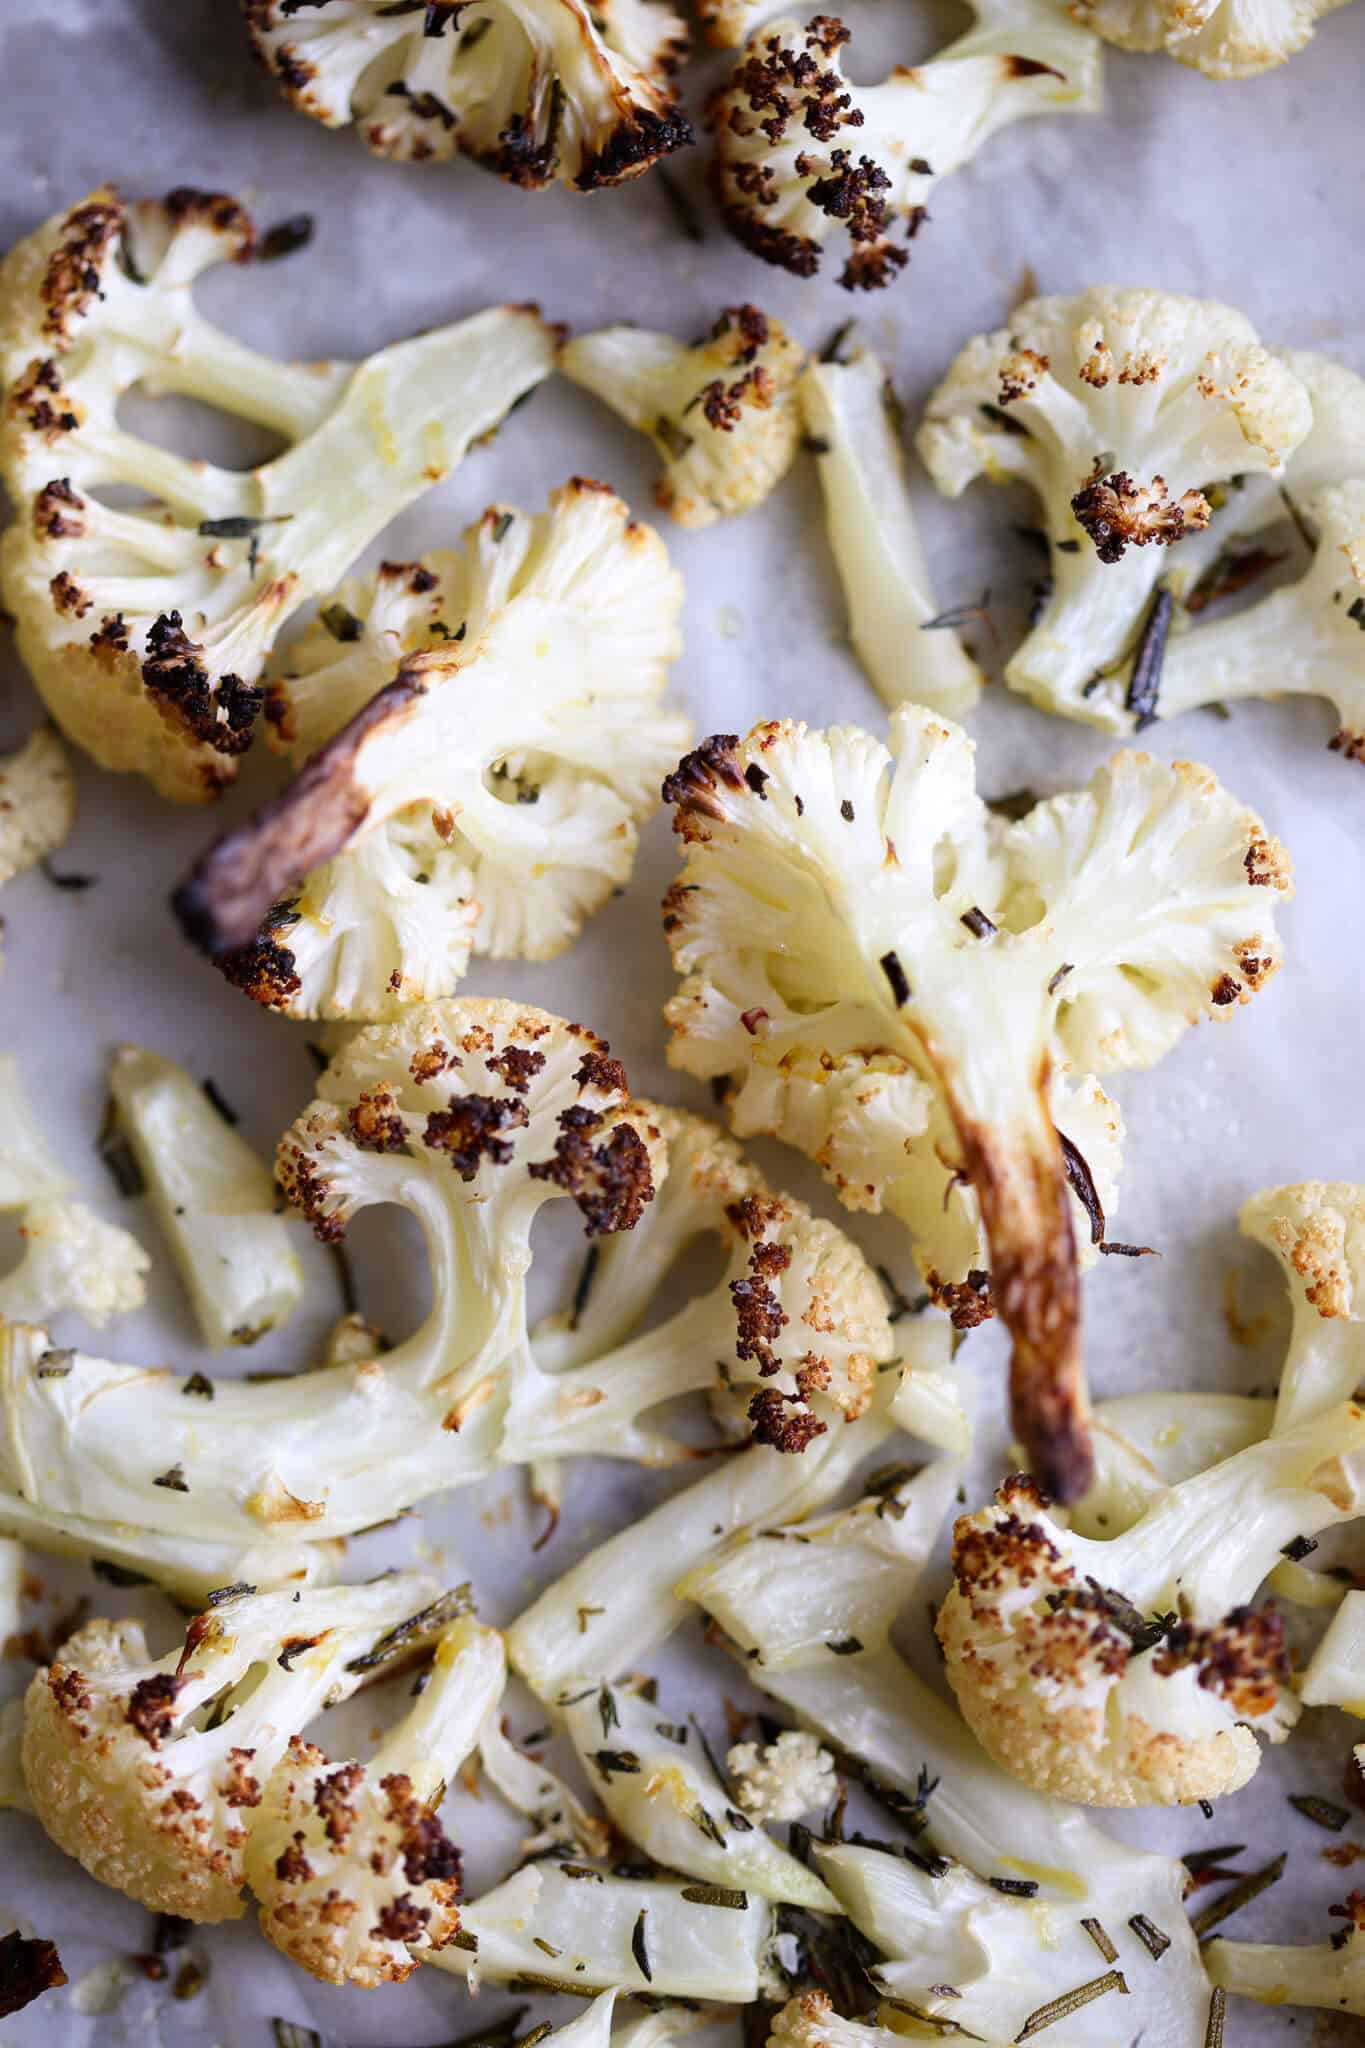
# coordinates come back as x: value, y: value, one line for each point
x: 978, y: 924
x: 1218, y: 2005
x: 1238, y: 1895
x: 428, y: 1622
x: 1150, y: 1935
x: 221, y: 1594
x: 1015, y: 1887
x: 558, y: 1987
x: 1324, y: 1813
x: 547, y: 1948
x: 845, y: 1646
x: 584, y: 1287
x: 716, y: 1895
x: 616, y: 1762
x: 583, y: 1871
x: 584, y: 1616
x: 672, y: 1731
x: 638, y: 1948
x: 174, y: 1480
x: 467, y: 1941
x: 502, y: 526
x: 286, y: 237
x: 606, y: 1708
x: 341, y: 623
x: 1144, y: 684
x: 199, y: 1384
x: 708, y: 1825
x: 1071, y: 2001
x: 240, y: 525
x: 1067, y: 967
x: 1101, y: 1940
x: 1299, y: 1548
x: 895, y: 974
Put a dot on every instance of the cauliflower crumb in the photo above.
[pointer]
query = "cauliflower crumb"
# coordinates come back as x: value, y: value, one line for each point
x: 785, y: 1779
x: 37, y: 802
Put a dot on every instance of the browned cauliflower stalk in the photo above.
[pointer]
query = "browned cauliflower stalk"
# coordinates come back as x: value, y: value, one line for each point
x: 537, y: 90
x: 146, y: 628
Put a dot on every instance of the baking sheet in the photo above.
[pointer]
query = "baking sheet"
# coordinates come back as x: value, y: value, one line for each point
x: 1249, y: 192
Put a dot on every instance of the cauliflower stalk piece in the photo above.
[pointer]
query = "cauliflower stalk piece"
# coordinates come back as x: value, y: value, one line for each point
x: 1134, y: 1672
x: 1330, y: 1974
x: 1118, y: 408
x: 801, y: 151
x: 73, y: 1260
x: 149, y: 1772
x: 455, y: 792
x: 1144, y: 1443
x: 212, y: 1196
x: 37, y: 802
x: 722, y: 413
x: 357, y: 1880
x: 1002, y: 1905
x: 1221, y: 38
x: 874, y: 959
x: 1335, y: 1675
x: 537, y: 90
x: 907, y: 650
x: 146, y: 629
x: 29, y: 1169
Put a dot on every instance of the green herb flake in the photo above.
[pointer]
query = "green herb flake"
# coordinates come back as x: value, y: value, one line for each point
x: 845, y: 1646
x: 716, y: 1895
x: 341, y: 623
x: 616, y: 1762
x: 707, y: 1824
x: 1071, y: 2002
x: 1238, y: 1895
x: 502, y: 526
x: 606, y: 1708
x: 1218, y: 2005
x: 174, y: 1480
x: 638, y: 1947
x: 1150, y: 1935
x: 1324, y: 1813
x: 1101, y: 1940
x: 199, y: 1385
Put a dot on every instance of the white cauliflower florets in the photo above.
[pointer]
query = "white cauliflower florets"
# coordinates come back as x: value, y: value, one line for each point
x: 1120, y: 408
x: 853, y: 426
x: 1132, y: 1672
x: 146, y: 628
x: 37, y: 802
x: 801, y: 151
x: 1221, y: 38
x: 149, y: 1772
x: 785, y: 1779
x: 874, y: 959
x: 479, y: 742
x: 73, y: 1260
x: 536, y: 90
x: 1316, y: 1230
x: 722, y: 413
x: 357, y: 1880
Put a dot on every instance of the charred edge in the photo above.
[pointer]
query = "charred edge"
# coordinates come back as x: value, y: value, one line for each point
x: 223, y: 902
x: 633, y: 147
x: 611, y: 1182
x: 187, y: 206
x: 71, y: 283
x: 219, y: 714
x: 27, y: 1970
x: 693, y: 784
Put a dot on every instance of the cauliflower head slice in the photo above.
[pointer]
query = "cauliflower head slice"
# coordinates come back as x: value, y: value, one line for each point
x: 37, y: 802
x: 723, y: 413
x: 468, y: 1115
x: 1118, y: 408
x: 147, y: 629
x: 801, y: 151
x: 874, y: 959
x: 540, y: 91
x: 73, y: 1260
x: 1316, y: 1231
x: 461, y: 796
x: 1222, y: 38
x: 1329, y: 1974
x: 356, y: 1878
x: 149, y: 1771
x: 1067, y: 1656
x: 853, y: 422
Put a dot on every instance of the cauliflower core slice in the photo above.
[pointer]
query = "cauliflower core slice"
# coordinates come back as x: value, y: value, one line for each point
x: 149, y: 1772
x: 37, y: 802
x: 1120, y: 408
x: 356, y: 1878
x: 801, y: 151
x: 463, y: 795
x: 722, y: 414
x: 875, y: 960
x: 1221, y: 38
x: 146, y: 628
x: 853, y: 424
x: 1133, y: 1672
x: 536, y: 90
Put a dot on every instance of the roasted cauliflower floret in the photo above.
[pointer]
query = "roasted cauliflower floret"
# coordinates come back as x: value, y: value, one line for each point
x: 536, y: 90
x: 907, y: 649
x: 479, y: 742
x: 146, y: 628
x: 783, y: 1779
x: 800, y: 151
x: 37, y: 802
x: 73, y: 1260
x: 1121, y: 409
x: 890, y: 977
x: 1133, y: 1672
x: 722, y: 413
x: 1221, y: 38
x: 356, y: 1878
x: 149, y: 1772
x: 1316, y: 1230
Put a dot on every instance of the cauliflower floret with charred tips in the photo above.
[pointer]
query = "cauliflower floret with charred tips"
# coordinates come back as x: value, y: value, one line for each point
x: 1121, y: 409
x: 537, y: 90
x: 149, y: 1771
x: 37, y: 802
x: 1221, y: 38
x: 1316, y: 1231
x: 73, y: 1260
x: 1133, y: 1672
x: 801, y: 151
x: 146, y: 628
x: 784, y: 1779
x: 462, y: 796
x: 874, y: 959
x: 907, y: 648
x: 722, y: 413
x: 1329, y: 1974
x: 356, y: 1878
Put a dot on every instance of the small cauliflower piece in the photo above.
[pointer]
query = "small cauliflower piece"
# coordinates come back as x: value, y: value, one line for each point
x: 784, y: 1779
x: 457, y: 792
x: 540, y: 91
x: 213, y: 1198
x: 1335, y: 1674
x: 903, y: 986
x: 148, y: 1771
x: 73, y: 1260
x: 1316, y: 1232
x: 1222, y: 38
x: 801, y: 151
x: 722, y: 413
x: 357, y: 1880
x: 146, y: 628
x: 853, y: 425
x: 1329, y: 1974
x: 1067, y: 1657
x: 37, y: 802
x: 1120, y: 409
